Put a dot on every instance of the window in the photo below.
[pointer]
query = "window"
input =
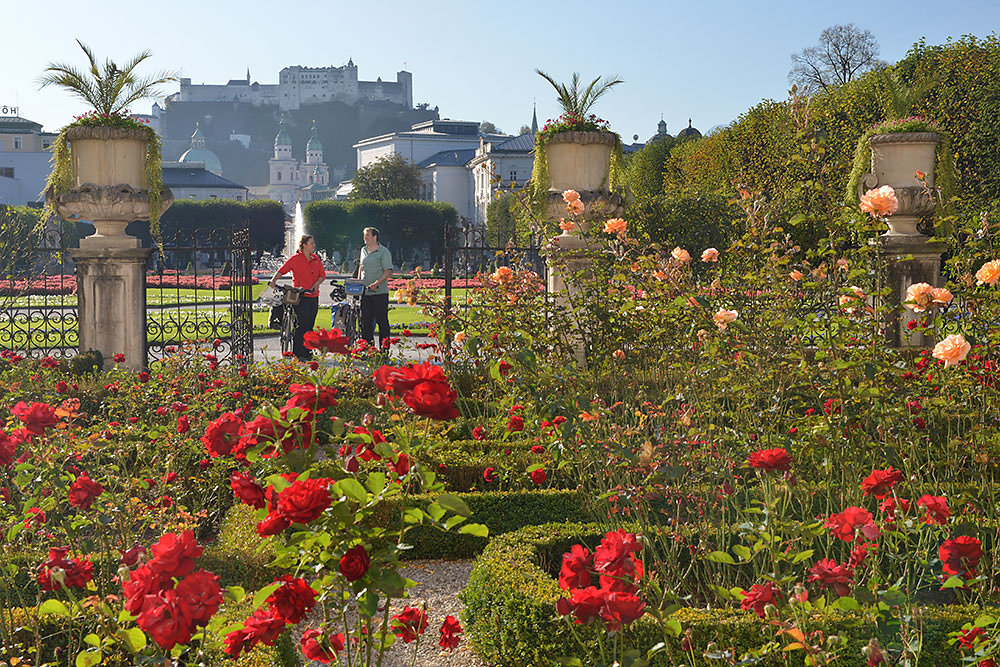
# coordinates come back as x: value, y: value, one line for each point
x: 279, y: 175
x: 213, y: 196
x: 513, y: 175
x: 7, y: 172
x: 17, y: 144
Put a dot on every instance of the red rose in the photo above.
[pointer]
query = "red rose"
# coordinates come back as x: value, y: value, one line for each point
x: 131, y: 557
x: 409, y: 623
x: 263, y: 627
x: 479, y: 433
x: 402, y: 465
x: 961, y: 556
x: 174, y: 555
x: 143, y: 581
x: 880, y: 482
x: 620, y: 609
x: 36, y: 417
x: 432, y: 399
x: 355, y: 563
x: 937, y: 509
x: 615, y: 562
x: 304, y: 500
x: 7, y: 449
x: 770, y: 459
x: 327, y: 340
x: 201, y: 592
x: 537, y: 449
x: 968, y: 638
x: 831, y: 575
x: 311, y: 397
x: 450, y: 631
x: 576, y: 566
x: 538, y: 476
x: 489, y: 475
x: 584, y: 603
x: 515, y: 423
x: 760, y: 596
x: 403, y: 379
x: 293, y: 599
x: 846, y: 524
x: 222, y: 435
x: 319, y: 648
x: 119, y: 358
x: 246, y: 488
x: 183, y: 424
x: 75, y: 573
x: 166, y: 618
x: 83, y: 492
x: 272, y: 524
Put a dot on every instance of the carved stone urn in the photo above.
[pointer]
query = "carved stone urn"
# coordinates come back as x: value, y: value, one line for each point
x: 579, y: 160
x: 896, y: 158
x: 109, y: 189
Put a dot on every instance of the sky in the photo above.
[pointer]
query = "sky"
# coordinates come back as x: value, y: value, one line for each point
x: 707, y: 61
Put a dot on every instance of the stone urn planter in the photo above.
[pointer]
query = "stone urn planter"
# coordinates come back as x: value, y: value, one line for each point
x: 896, y: 158
x: 579, y: 160
x: 108, y: 185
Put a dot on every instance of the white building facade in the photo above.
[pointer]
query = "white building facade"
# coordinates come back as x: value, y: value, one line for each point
x: 24, y: 160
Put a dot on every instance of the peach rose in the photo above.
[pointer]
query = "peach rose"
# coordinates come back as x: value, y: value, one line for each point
x: 575, y: 207
x: 659, y: 274
x: 710, y: 255
x: 819, y: 273
x: 795, y: 275
x: 941, y: 296
x: 615, y: 226
x: 571, y: 196
x: 843, y: 264
x: 618, y: 354
x: 919, y: 175
x: 566, y: 225
x: 988, y: 273
x: 952, y: 350
x: 460, y: 337
x: 919, y: 297
x: 850, y: 302
x: 681, y: 255
x: 502, y: 275
x: 880, y: 202
x: 724, y: 317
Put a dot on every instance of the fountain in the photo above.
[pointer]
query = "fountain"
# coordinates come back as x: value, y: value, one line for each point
x: 298, y: 227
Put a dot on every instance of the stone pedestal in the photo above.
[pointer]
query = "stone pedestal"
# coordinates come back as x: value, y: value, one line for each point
x: 111, y: 294
x: 909, y: 259
x: 569, y: 257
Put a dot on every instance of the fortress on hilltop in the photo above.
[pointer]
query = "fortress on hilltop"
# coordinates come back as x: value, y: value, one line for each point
x: 298, y: 86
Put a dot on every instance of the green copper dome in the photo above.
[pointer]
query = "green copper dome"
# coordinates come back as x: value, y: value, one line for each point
x: 314, y: 144
x: 282, y: 139
x: 199, y: 153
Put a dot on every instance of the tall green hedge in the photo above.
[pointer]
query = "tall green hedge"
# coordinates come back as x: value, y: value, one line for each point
x: 265, y: 217
x: 406, y: 226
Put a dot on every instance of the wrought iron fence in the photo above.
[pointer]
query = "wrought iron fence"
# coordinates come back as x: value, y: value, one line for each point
x: 199, y: 289
x: 38, y: 314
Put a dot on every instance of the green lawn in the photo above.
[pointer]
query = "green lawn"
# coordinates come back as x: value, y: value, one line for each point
x: 399, y: 318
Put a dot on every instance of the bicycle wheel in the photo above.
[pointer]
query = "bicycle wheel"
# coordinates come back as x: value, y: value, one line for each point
x: 287, y: 326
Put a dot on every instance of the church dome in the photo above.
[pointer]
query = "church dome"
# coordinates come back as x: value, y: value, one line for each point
x: 199, y: 153
x: 688, y: 132
x: 314, y: 144
x: 661, y: 132
x: 282, y: 139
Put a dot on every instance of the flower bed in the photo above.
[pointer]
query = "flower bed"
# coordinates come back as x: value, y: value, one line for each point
x: 66, y: 284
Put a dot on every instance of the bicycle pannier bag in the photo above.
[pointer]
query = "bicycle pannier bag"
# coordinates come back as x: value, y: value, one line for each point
x: 291, y: 297
x: 277, y: 314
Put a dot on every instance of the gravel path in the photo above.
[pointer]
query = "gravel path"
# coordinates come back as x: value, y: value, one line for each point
x: 438, y: 584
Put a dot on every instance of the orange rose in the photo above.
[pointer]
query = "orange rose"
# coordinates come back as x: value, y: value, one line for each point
x: 618, y: 354
x: 941, y: 296
x: 988, y: 273
x: 843, y: 264
x: 880, y: 202
x: 724, y: 317
x: 570, y: 196
x: 576, y: 207
x: 615, y: 226
x: 659, y: 274
x: 850, y: 302
x: 795, y: 275
x: 566, y: 225
x: 952, y: 350
x: 710, y: 255
x: 587, y: 417
x: 460, y: 337
x: 681, y: 255
x: 502, y: 275
x: 918, y: 297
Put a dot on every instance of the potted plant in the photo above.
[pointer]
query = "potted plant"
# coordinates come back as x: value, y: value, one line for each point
x: 909, y: 153
x: 106, y: 165
x: 577, y: 151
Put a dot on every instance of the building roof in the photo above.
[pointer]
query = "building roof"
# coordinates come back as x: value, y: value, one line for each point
x: 457, y: 158
x: 522, y: 144
x: 688, y: 131
x: 18, y: 125
x: 314, y: 144
x: 195, y: 176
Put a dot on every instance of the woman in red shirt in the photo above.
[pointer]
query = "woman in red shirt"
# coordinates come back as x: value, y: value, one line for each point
x: 307, y: 273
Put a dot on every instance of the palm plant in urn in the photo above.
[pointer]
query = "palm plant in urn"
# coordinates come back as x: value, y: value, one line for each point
x: 577, y: 151
x: 105, y: 164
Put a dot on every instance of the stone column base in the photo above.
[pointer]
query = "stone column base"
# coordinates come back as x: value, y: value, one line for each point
x: 111, y: 297
x: 909, y: 259
x: 569, y: 256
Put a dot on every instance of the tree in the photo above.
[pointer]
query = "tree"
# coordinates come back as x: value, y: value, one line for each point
x: 501, y: 224
x: 110, y: 92
x: 843, y: 53
x: 574, y: 99
x: 486, y: 127
x: 525, y: 129
x: 390, y: 177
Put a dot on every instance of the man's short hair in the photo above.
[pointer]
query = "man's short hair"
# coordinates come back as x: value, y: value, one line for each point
x: 373, y: 231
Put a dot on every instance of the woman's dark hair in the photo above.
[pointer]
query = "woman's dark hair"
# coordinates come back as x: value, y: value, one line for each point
x: 306, y: 238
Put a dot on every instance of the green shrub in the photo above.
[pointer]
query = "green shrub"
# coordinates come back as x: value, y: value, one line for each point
x: 510, y: 613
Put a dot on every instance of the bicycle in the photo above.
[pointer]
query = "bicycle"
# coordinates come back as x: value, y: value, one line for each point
x: 283, y: 320
x: 347, y: 313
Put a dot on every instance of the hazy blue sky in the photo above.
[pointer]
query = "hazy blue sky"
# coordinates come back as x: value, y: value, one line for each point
x: 706, y: 60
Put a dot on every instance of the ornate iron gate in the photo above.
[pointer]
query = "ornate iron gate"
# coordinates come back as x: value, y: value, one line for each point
x: 37, y: 286
x: 199, y: 291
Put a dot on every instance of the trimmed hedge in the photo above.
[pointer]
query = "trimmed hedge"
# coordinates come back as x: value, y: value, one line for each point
x: 510, y: 613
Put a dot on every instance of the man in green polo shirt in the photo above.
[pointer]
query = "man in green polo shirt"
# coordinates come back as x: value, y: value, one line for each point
x: 375, y: 269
